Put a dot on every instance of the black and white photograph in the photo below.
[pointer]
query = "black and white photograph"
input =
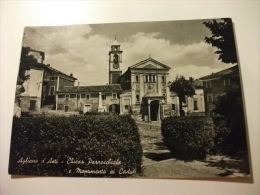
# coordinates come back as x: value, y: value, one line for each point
x: 146, y: 100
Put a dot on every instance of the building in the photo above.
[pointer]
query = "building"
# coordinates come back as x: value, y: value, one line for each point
x: 101, y: 98
x: 218, y: 84
x: 145, y: 90
x: 42, y: 84
x: 195, y: 105
x: 53, y: 80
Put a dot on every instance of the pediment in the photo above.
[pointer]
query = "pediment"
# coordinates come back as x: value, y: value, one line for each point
x: 150, y: 64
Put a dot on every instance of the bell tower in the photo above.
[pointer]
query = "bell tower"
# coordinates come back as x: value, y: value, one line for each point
x: 115, y: 59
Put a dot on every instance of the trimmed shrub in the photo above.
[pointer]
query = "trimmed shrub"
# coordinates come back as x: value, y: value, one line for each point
x: 188, y: 138
x: 83, y: 145
x: 230, y: 136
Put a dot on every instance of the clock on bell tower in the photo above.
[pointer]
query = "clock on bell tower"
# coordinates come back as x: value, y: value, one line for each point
x: 115, y: 58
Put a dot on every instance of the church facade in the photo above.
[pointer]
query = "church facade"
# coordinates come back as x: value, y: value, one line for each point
x: 144, y: 86
x: 145, y: 91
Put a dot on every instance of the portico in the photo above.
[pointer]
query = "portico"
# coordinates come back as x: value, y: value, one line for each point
x: 152, y: 105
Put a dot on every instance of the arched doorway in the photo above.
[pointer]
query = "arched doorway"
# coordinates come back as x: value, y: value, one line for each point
x: 115, y: 108
x: 154, y: 110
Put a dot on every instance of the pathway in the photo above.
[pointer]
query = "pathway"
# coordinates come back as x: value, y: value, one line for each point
x: 158, y: 162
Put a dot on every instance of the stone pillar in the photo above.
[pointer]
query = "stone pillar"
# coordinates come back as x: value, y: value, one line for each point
x: 159, y: 112
x: 100, y: 106
x: 56, y: 102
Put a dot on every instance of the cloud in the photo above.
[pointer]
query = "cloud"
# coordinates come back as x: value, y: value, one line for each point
x: 76, y: 49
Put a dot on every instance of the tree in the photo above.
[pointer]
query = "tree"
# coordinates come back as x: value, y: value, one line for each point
x: 230, y: 105
x: 222, y: 38
x: 182, y: 88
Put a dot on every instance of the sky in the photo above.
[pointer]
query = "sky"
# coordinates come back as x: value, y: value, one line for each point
x: 83, y: 49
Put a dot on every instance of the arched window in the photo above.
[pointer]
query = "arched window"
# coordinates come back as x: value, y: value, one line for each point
x: 115, y: 58
x: 163, y: 78
x: 136, y: 78
x: 137, y: 97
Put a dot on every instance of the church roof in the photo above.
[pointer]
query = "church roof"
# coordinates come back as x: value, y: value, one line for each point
x: 149, y: 63
x: 94, y: 88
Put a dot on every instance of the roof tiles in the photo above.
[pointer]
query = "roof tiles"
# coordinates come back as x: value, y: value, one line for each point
x: 94, y: 88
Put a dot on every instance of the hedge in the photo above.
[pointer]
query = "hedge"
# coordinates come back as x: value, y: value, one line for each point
x: 230, y: 136
x: 188, y: 138
x: 83, y: 145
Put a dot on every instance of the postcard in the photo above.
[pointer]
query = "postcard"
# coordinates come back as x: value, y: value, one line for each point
x: 130, y: 100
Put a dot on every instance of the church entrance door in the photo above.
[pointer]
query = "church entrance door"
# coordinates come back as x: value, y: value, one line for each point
x: 154, y: 109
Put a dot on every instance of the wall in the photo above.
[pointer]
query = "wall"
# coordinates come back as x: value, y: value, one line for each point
x: 33, y: 90
x: 75, y: 103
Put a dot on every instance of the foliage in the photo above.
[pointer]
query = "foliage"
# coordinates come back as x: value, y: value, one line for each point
x: 222, y: 38
x: 229, y: 136
x: 100, y: 138
x: 182, y: 88
x: 222, y: 137
x: 188, y: 138
x: 230, y: 105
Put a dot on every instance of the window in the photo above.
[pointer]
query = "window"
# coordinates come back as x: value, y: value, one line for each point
x: 150, y: 77
x: 78, y: 97
x: 136, y: 78
x: 53, y: 78
x: 195, y: 104
x: 83, y: 96
x: 163, y: 78
x: 72, y: 96
x: 67, y: 97
x: 32, y: 105
x: 173, y: 106
x: 209, y: 98
x: 104, y: 97
x: 153, y: 78
x: 211, y: 113
x: 114, y: 96
x: 126, y: 104
x: 226, y: 81
x: 52, y: 90
x: 137, y: 97
x: 61, y: 95
x: 208, y: 84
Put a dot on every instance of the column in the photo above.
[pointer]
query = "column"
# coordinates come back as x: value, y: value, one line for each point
x: 56, y: 106
x: 149, y: 112
x: 100, y: 106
